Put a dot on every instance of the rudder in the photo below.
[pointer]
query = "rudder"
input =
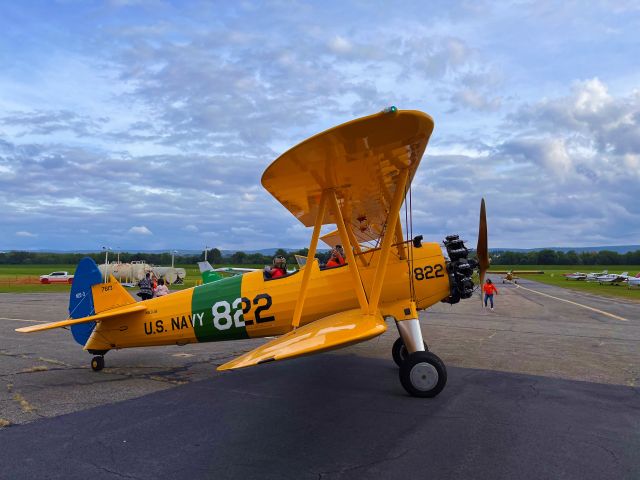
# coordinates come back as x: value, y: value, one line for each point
x: 81, y: 305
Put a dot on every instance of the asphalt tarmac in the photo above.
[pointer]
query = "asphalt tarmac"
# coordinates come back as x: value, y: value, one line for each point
x: 538, y: 388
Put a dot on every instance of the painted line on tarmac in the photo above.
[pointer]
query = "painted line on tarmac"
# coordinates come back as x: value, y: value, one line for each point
x: 23, y: 320
x: 602, y: 312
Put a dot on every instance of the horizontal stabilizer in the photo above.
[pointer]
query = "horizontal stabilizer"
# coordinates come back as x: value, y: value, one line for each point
x: 236, y: 270
x: 138, y: 307
x: 335, y: 331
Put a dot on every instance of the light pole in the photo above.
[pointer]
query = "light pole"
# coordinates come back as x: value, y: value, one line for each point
x: 173, y: 252
x: 206, y: 247
x: 106, y: 262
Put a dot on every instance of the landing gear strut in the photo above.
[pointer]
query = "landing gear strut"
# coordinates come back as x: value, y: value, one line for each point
x: 97, y: 363
x: 422, y: 373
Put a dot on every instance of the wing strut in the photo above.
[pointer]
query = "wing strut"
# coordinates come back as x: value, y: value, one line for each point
x: 402, y: 251
x: 306, y: 273
x: 353, y: 265
x: 385, y: 249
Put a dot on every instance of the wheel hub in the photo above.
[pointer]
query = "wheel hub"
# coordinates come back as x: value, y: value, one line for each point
x: 424, y: 376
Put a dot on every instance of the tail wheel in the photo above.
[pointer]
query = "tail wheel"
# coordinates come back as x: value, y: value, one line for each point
x: 97, y: 363
x: 423, y: 374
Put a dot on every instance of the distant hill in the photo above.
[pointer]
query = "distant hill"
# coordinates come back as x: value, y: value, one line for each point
x: 271, y: 251
x: 612, y: 248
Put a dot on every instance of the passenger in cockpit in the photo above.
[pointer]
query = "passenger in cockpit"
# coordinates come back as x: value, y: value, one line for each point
x: 279, y: 268
x: 337, y: 257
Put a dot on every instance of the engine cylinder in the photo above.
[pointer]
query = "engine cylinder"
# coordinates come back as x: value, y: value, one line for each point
x: 460, y: 269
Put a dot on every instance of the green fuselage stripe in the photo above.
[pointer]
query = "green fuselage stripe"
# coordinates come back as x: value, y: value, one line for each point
x: 217, y: 311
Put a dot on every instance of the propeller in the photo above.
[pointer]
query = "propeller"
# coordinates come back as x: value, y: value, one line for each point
x: 483, y: 248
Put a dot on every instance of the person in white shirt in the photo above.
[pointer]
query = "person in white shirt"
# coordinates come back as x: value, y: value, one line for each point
x: 161, y: 289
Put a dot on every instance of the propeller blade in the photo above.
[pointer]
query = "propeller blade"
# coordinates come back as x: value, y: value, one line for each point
x: 483, y: 247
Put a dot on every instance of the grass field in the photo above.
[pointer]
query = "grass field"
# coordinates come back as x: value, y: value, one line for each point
x: 25, y: 278
x: 553, y: 276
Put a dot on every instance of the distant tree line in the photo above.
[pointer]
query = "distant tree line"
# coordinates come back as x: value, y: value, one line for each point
x: 554, y: 257
x: 214, y: 256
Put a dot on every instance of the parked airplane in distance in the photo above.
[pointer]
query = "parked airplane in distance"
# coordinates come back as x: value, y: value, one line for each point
x: 512, y: 275
x: 575, y: 276
x: 613, y: 278
x: 593, y: 276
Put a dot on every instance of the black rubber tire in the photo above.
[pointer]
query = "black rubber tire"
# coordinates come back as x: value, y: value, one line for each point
x: 97, y: 363
x: 433, y: 386
x: 399, y: 351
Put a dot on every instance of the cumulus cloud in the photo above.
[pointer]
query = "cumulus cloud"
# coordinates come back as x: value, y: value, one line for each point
x: 340, y: 44
x: 476, y: 100
x: 169, y: 128
x: 590, y: 133
x: 141, y: 230
x: 43, y: 122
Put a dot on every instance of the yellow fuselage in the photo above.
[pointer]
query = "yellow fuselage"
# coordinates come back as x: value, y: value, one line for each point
x: 249, y: 306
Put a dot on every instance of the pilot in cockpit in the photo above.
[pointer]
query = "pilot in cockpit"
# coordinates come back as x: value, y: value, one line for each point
x: 337, y: 257
x: 277, y: 270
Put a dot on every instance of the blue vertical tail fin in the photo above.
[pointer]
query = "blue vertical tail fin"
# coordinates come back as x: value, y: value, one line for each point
x: 81, y: 304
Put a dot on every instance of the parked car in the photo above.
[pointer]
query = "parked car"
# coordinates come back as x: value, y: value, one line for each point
x: 56, y: 277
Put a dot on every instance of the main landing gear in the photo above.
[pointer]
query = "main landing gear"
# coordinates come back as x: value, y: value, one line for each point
x: 422, y: 373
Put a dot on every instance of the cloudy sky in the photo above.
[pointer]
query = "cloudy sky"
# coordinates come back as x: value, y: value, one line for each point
x: 147, y: 124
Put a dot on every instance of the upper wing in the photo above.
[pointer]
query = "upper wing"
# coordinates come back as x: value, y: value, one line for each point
x: 361, y: 160
x: 368, y: 235
x: 334, y: 331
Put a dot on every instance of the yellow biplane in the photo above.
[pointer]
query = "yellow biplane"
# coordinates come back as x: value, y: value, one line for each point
x: 354, y: 176
x: 512, y: 275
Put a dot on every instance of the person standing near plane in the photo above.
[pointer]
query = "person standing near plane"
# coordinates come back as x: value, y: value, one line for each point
x: 161, y: 289
x: 489, y: 290
x: 146, y: 287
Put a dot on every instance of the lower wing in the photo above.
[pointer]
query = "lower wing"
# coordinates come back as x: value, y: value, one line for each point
x: 335, y: 331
